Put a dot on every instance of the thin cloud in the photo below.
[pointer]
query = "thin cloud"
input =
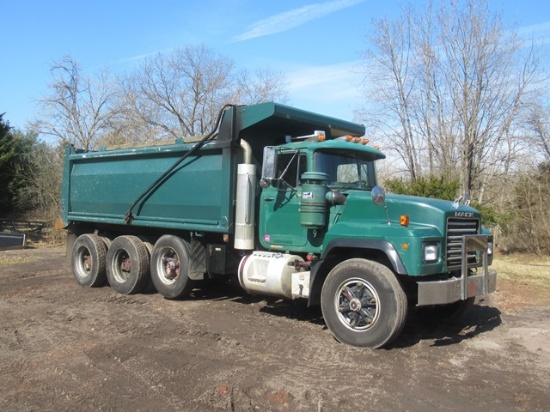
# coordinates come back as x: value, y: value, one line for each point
x: 294, y: 18
x: 328, y: 82
x: 539, y: 32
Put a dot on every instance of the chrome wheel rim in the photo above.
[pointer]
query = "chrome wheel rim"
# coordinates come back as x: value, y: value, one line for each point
x: 357, y: 304
x: 122, y: 266
x: 84, y: 262
x: 168, y: 266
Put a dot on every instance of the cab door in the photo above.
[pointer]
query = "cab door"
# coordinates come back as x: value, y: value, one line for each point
x: 280, y: 227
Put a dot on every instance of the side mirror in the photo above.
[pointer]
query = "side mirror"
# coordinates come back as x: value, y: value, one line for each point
x: 269, y: 166
x: 378, y: 195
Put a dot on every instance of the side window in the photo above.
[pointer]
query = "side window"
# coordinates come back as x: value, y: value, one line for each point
x: 290, y: 167
x: 302, y: 166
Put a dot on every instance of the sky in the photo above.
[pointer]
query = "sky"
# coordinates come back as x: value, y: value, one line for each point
x: 317, y: 44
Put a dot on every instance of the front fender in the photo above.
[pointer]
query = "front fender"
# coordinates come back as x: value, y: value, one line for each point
x: 322, y: 267
x: 369, y: 244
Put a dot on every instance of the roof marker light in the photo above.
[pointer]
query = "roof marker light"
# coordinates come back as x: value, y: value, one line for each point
x: 318, y: 135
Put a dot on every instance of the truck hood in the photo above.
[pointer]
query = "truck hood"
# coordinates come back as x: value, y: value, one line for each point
x: 423, y: 213
x: 422, y: 210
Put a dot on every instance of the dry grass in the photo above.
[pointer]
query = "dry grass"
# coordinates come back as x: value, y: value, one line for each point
x: 524, y: 268
x: 522, y: 280
x: 16, y: 257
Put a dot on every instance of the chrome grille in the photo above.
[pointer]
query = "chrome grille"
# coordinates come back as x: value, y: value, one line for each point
x: 456, y: 229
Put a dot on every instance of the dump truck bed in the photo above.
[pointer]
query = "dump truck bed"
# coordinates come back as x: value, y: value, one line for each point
x: 100, y: 187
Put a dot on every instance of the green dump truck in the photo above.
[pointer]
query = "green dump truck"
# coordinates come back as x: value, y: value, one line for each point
x: 287, y: 202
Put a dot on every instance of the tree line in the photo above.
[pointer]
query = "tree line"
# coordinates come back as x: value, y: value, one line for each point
x: 169, y: 95
x: 456, y: 99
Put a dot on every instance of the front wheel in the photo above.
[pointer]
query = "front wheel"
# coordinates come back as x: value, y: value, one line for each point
x: 363, y: 303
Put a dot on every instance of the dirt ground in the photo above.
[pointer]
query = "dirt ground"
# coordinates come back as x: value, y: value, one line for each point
x: 66, y: 348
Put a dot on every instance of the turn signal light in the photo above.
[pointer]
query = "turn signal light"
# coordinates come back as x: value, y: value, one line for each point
x: 404, y: 220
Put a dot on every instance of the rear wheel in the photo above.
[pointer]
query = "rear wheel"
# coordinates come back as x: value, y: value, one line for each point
x: 170, y: 267
x: 150, y: 287
x: 88, y: 260
x: 363, y: 303
x: 127, y: 265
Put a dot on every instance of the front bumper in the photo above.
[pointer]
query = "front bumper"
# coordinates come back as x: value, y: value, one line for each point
x: 442, y: 292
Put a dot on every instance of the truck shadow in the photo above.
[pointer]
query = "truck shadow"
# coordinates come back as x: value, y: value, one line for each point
x: 418, y: 328
x: 292, y: 309
x: 481, y: 319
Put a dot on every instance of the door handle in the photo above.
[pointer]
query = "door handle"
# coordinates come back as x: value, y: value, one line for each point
x: 269, y: 199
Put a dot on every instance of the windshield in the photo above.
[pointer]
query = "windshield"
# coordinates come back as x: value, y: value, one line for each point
x: 347, y: 170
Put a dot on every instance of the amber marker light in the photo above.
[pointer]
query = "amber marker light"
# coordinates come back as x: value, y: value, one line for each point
x: 349, y: 138
x: 321, y: 138
x: 226, y: 238
x: 404, y: 220
x: 365, y: 141
x: 405, y: 246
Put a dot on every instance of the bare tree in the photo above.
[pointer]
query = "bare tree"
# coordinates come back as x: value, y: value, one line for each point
x: 261, y: 86
x: 180, y: 93
x: 79, y: 109
x: 170, y: 95
x: 44, y: 185
x: 453, y: 83
x: 539, y: 121
x: 488, y: 82
x: 390, y: 85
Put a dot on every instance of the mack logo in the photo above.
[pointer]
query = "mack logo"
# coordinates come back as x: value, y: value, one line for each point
x: 464, y: 214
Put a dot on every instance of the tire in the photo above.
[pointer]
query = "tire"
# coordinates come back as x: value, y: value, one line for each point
x: 149, y: 287
x: 107, y: 241
x: 451, y: 313
x: 88, y: 257
x: 363, y: 303
x: 170, y: 267
x: 127, y: 265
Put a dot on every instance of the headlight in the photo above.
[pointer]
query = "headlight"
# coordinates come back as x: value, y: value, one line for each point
x: 431, y: 252
x: 490, y: 248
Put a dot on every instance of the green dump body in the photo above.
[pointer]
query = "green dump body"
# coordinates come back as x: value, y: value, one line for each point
x: 199, y: 194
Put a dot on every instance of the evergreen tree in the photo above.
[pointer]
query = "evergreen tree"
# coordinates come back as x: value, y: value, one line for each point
x: 15, y: 167
x: 8, y: 155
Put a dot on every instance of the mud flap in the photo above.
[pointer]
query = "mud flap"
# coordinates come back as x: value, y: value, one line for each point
x: 197, y: 260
